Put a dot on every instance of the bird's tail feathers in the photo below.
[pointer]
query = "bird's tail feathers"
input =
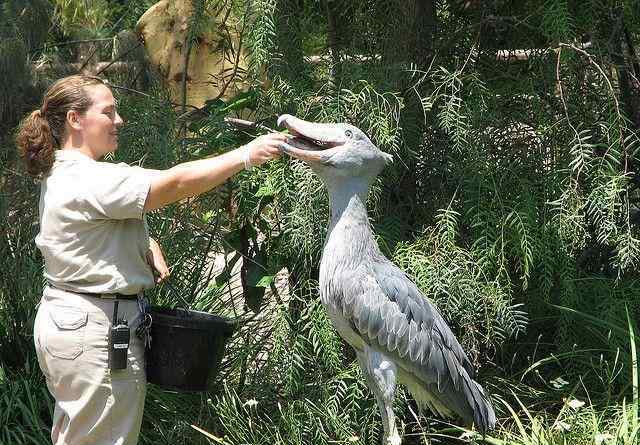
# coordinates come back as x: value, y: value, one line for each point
x: 468, y: 400
x: 484, y: 416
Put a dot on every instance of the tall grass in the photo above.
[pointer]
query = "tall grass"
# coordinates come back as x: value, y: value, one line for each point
x: 585, y: 419
x: 25, y: 408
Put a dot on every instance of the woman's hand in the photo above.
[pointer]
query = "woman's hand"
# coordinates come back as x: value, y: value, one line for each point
x: 156, y: 261
x: 266, y: 147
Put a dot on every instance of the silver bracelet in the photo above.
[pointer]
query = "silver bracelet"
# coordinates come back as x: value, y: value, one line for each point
x: 246, y: 157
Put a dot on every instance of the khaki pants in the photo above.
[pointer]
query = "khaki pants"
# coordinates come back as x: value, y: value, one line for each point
x: 94, y: 405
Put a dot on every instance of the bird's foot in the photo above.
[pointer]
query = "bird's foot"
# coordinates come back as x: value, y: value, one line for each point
x: 393, y: 439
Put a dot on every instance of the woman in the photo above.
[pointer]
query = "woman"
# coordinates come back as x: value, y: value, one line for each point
x: 97, y: 250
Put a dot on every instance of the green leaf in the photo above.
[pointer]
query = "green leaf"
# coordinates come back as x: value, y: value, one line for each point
x: 265, y: 281
x: 207, y: 216
x: 266, y: 189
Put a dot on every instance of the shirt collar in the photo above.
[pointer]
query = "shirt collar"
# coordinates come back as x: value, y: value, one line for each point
x: 71, y: 155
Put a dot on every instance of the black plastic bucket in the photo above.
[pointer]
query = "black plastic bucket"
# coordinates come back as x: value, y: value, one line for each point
x: 186, y: 348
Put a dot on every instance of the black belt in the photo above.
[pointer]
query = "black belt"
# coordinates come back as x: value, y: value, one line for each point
x: 109, y: 296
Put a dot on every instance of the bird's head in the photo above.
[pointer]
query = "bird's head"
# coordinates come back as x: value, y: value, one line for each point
x: 334, y: 151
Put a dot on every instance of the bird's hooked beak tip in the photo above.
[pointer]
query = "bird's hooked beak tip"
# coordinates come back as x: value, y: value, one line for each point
x: 282, y: 119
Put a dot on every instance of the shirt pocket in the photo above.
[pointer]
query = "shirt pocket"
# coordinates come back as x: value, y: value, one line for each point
x: 64, y: 335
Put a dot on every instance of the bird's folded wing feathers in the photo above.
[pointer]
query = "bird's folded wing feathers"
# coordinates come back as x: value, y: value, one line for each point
x: 389, y: 310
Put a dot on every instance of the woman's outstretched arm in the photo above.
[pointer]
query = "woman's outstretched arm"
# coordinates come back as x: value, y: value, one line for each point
x: 197, y: 177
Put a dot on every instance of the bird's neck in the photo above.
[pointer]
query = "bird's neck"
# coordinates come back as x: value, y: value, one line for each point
x: 347, y: 200
x: 349, y: 230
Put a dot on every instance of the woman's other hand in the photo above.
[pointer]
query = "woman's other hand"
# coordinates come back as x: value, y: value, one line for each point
x: 266, y: 147
x: 155, y: 258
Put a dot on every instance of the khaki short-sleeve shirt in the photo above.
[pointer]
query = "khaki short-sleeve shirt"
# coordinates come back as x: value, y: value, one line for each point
x: 93, y: 233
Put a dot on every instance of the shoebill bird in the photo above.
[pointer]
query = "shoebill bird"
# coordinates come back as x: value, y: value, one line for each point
x: 398, y: 335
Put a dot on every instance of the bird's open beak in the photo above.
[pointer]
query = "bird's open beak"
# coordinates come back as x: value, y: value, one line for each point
x: 312, y: 142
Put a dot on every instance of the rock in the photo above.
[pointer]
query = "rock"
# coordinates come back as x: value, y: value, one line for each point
x: 163, y: 29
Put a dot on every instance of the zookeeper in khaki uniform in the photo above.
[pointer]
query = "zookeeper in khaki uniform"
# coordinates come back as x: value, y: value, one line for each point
x: 96, y: 249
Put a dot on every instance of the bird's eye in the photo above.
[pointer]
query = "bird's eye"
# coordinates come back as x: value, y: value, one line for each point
x: 348, y: 133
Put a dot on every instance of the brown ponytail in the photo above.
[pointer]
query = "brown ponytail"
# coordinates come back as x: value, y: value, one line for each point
x: 36, y: 144
x: 43, y: 130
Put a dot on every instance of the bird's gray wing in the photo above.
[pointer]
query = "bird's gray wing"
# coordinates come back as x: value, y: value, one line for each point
x: 392, y: 315
x: 389, y: 310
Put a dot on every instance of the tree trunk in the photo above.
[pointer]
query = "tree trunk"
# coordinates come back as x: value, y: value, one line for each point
x: 425, y: 27
x: 628, y: 100
x: 289, y: 28
x: 333, y: 38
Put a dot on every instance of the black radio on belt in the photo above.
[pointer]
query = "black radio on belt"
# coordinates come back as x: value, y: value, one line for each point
x: 118, y: 341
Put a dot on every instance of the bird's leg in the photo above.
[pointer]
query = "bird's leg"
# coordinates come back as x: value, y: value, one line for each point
x: 380, y: 373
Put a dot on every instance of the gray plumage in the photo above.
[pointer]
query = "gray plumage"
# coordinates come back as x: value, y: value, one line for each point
x: 397, y: 333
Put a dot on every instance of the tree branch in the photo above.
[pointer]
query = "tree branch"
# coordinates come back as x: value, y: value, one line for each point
x: 70, y: 42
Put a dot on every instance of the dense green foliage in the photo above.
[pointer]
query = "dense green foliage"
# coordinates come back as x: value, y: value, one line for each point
x: 512, y: 200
